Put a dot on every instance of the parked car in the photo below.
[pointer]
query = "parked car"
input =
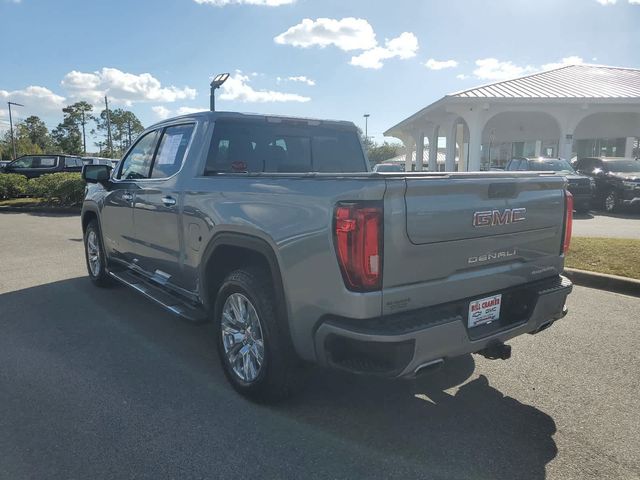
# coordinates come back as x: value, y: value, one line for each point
x: 580, y: 186
x: 276, y: 230
x: 4, y: 163
x: 388, y: 167
x: 99, y: 161
x: 32, y: 166
x: 617, y: 180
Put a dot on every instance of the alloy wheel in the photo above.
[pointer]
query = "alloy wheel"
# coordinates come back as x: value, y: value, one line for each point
x: 242, y: 337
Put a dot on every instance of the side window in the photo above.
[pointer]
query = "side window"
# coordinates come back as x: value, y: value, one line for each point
x: 524, y: 165
x: 513, y: 164
x: 44, y: 162
x: 173, y: 146
x: 70, y: 162
x: 24, y: 162
x: 137, y: 163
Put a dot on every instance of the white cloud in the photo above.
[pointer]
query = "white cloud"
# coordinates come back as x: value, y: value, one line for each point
x: 634, y: 2
x: 238, y: 88
x: 494, y: 69
x: 122, y: 87
x: 298, y: 78
x: 190, y: 110
x: 161, y: 112
x: 346, y: 34
x: 573, y: 60
x: 404, y: 46
x: 433, y: 64
x: 462, y: 76
x: 36, y: 100
x: 267, y: 3
x: 607, y: 2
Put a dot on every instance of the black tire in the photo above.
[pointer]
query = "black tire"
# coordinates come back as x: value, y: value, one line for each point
x: 611, y: 201
x: 98, y: 276
x: 281, y: 371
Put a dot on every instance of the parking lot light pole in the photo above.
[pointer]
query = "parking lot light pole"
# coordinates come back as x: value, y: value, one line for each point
x: 13, y: 140
x: 217, y: 82
x: 366, y: 126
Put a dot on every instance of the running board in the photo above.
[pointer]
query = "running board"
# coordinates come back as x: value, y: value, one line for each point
x: 164, y: 298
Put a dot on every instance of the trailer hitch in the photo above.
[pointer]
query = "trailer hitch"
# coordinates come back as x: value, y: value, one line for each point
x: 496, y: 351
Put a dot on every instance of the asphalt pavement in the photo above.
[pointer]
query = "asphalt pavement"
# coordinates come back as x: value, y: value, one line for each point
x: 600, y: 224
x: 101, y: 383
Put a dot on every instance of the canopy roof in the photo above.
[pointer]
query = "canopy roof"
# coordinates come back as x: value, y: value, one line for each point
x: 572, y: 81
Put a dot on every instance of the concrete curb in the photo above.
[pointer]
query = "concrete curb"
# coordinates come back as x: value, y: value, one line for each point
x: 41, y: 209
x: 603, y: 281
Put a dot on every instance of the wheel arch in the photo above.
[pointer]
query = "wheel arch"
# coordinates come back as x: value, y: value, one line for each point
x: 228, y: 251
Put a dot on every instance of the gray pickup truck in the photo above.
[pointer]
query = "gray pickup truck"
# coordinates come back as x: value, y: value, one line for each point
x: 276, y: 230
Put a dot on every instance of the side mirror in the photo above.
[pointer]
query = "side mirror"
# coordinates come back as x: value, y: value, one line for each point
x: 96, y: 173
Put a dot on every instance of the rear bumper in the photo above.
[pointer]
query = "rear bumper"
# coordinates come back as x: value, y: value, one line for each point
x: 399, y: 345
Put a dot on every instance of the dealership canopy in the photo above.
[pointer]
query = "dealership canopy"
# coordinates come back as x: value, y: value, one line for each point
x: 574, y: 110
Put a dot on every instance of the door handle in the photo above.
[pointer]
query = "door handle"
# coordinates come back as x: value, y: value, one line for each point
x: 127, y: 197
x: 168, y: 201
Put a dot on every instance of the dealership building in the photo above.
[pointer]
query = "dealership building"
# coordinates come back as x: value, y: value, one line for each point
x: 576, y: 110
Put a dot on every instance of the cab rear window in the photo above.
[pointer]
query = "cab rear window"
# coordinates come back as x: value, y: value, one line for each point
x: 241, y: 146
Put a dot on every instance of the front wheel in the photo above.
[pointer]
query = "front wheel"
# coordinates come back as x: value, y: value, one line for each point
x: 94, y: 254
x: 253, y: 344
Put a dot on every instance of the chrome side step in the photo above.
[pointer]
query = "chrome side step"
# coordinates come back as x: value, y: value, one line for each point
x: 162, y: 297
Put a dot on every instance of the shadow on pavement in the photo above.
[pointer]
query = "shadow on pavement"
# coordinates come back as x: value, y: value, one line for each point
x: 104, y: 381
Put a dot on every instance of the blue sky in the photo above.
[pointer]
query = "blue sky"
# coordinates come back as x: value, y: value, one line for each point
x: 321, y: 58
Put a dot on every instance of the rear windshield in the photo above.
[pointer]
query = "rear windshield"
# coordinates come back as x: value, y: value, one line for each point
x: 625, y: 166
x: 257, y: 146
x: 553, y: 164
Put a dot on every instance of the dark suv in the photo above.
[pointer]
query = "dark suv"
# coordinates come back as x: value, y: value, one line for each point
x: 617, y: 180
x: 580, y: 186
x: 32, y: 166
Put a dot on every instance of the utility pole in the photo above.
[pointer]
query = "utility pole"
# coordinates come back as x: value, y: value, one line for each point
x: 109, y: 145
x: 84, y: 138
x: 129, y: 129
x: 13, y: 140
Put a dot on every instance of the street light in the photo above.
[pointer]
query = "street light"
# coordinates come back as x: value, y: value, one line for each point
x: 366, y: 126
x: 217, y: 82
x: 13, y: 141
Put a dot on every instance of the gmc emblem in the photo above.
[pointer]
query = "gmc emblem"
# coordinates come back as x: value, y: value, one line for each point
x: 491, y: 218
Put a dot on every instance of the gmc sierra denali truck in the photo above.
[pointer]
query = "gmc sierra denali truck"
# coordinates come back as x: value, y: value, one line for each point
x: 276, y: 230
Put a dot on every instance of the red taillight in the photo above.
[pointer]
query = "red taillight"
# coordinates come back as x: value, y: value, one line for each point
x: 358, y: 242
x: 568, y: 221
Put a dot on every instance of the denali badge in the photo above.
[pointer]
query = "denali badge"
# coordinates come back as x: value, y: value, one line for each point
x: 490, y: 218
x: 492, y: 256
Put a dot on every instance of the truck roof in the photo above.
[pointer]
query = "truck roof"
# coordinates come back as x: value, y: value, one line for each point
x: 259, y: 116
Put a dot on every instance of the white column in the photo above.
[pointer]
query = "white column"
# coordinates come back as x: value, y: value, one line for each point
x: 408, y: 156
x: 628, y: 148
x: 419, y: 151
x: 433, y: 149
x: 462, y: 149
x: 565, y: 146
x: 450, y: 159
x: 475, y: 144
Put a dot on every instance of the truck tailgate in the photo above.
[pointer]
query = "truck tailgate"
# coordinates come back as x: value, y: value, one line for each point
x: 459, y: 235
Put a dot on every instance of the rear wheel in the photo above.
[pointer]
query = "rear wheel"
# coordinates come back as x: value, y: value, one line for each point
x: 611, y: 201
x: 94, y: 254
x: 253, y: 345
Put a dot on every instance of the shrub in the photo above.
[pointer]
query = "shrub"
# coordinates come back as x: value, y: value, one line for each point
x: 12, y: 185
x: 61, y: 188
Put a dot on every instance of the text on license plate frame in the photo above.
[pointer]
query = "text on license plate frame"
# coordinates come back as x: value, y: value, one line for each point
x: 484, y: 310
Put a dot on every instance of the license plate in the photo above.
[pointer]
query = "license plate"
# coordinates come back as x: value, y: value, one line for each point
x: 484, y: 310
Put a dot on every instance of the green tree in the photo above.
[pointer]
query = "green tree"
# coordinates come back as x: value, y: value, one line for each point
x: 37, y: 132
x: 25, y: 145
x: 79, y: 114
x: 125, y: 127
x: 68, y: 137
x: 378, y: 153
